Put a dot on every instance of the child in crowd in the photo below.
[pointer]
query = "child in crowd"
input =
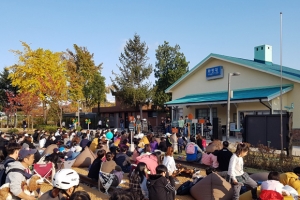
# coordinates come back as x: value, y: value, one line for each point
x: 272, y: 187
x: 161, y: 186
x: 236, y: 175
x: 95, y: 167
x: 80, y: 195
x: 169, y: 161
x: 138, y: 180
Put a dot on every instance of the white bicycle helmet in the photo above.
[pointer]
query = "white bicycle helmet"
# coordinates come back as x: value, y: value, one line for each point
x: 65, y: 179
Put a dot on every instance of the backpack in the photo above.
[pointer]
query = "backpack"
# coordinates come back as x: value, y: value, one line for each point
x: 190, y: 149
x: 2, y: 171
x: 184, y: 189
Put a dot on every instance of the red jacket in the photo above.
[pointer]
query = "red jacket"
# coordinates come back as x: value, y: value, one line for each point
x: 270, y: 195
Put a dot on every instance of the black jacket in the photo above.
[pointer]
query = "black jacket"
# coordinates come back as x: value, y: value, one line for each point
x: 161, y: 188
x: 94, y: 169
x: 163, y: 146
x: 223, y: 157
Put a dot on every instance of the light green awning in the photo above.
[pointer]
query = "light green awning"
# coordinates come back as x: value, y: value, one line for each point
x: 242, y: 95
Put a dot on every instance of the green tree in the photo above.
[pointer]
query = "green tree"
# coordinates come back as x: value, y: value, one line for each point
x: 171, y: 64
x: 81, y: 72
x: 94, y: 91
x: 131, y: 86
x: 5, y: 85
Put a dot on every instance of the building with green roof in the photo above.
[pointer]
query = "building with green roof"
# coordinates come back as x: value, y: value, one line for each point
x: 203, y: 90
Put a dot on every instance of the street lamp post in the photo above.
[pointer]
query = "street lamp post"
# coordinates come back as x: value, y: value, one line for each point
x: 228, y: 103
x: 78, y: 113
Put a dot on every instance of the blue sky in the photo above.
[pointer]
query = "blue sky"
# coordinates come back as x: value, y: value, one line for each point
x: 228, y: 27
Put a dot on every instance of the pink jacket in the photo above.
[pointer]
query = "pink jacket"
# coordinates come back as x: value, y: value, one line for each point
x: 150, y: 160
x: 210, y: 160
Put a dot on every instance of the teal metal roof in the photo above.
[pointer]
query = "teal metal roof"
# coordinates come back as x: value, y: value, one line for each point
x: 263, y: 93
x: 287, y: 73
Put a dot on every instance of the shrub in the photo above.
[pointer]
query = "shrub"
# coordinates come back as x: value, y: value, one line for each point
x: 47, y: 128
x: 13, y: 130
x: 267, y: 158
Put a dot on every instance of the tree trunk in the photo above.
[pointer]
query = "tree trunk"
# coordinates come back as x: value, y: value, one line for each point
x: 98, y: 108
x: 15, y: 120
x: 141, y: 111
x: 290, y: 135
x: 45, y: 112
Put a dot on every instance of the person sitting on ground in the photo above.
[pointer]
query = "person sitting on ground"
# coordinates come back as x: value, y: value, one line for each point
x: 84, y: 142
x: 75, y: 142
x: 95, y: 142
x: 65, y: 182
x: 123, y: 160
x: 236, y: 175
x: 3, y: 143
x: 28, y: 140
x: 51, y: 140
x: 121, y: 194
x: 28, y: 144
x: 161, y: 186
x: 95, y: 167
x: 152, y: 161
x: 21, y: 138
x: 42, y: 142
x: 169, y: 161
x: 108, y: 164
x: 146, y: 150
x: 54, y: 158
x: 210, y: 159
x: 153, y: 144
x: 199, y: 139
x: 137, y: 151
x: 113, y: 178
x: 223, y: 156
x: 65, y: 137
x: 103, y: 144
x: 193, y: 151
x: 15, y: 178
x: 138, y: 180
x: 272, y: 187
x: 12, y: 155
x: 163, y: 144
x: 124, y: 144
x: 80, y: 195
x: 71, y: 155
x: 168, y: 139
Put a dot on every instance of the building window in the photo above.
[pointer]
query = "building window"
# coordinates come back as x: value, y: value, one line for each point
x: 180, y: 113
x: 262, y: 48
x: 120, y: 115
x: 204, y: 113
x: 256, y: 49
x: 152, y: 114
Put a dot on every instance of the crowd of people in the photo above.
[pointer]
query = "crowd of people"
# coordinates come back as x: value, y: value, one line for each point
x: 150, y: 165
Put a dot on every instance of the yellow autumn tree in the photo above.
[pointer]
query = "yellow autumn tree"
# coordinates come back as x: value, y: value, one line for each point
x: 40, y: 72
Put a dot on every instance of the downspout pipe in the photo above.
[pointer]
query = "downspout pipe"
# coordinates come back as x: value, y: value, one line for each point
x: 266, y: 106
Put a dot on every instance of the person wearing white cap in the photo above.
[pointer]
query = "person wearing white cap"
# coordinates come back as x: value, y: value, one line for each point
x: 168, y: 139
